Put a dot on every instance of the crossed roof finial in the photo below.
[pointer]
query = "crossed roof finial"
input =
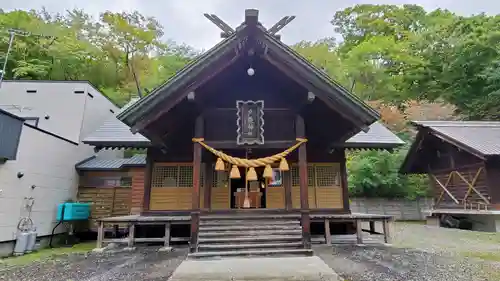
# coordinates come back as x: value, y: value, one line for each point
x: 251, y: 17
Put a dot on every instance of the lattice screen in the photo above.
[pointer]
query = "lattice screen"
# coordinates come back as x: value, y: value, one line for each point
x: 320, y: 175
x: 327, y: 175
x: 296, y: 176
x: 220, y: 178
x: 174, y: 176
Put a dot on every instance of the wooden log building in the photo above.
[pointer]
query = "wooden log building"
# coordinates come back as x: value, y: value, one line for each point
x: 462, y: 160
x: 249, y: 129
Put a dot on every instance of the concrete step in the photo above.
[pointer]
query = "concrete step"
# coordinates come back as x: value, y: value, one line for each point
x: 251, y: 217
x: 250, y: 246
x: 247, y: 222
x: 207, y: 234
x: 249, y: 227
x: 253, y: 239
x: 265, y: 252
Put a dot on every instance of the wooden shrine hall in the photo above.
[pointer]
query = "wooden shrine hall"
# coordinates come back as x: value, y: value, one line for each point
x: 462, y: 161
x: 248, y: 136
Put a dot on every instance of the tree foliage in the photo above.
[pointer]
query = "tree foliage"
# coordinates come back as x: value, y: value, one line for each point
x: 376, y: 174
x: 116, y: 52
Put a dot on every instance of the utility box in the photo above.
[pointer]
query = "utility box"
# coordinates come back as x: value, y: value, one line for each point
x: 73, y: 211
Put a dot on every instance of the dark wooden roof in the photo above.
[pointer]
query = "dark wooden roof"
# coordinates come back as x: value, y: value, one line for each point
x: 478, y: 138
x: 173, y: 90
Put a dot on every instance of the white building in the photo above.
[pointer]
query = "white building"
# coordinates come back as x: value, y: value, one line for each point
x: 42, y: 124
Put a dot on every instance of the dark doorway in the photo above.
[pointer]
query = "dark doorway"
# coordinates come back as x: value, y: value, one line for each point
x: 257, y: 190
x: 237, y: 185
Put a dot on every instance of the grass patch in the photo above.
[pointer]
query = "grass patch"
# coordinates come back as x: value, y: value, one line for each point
x: 46, y: 254
x: 487, y: 256
x: 487, y: 237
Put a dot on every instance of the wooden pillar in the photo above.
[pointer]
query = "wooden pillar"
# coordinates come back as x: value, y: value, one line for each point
x: 344, y: 184
x: 100, y: 234
x: 166, y: 242
x: 287, y: 183
x: 328, y: 233
x: 387, y: 224
x: 359, y: 232
x: 148, y: 176
x: 207, y: 195
x: 131, y: 235
x: 195, y: 212
x: 304, y: 196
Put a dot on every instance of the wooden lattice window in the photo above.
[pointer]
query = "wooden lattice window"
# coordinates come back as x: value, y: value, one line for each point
x: 327, y: 175
x: 296, y: 175
x: 220, y: 178
x: 174, y: 176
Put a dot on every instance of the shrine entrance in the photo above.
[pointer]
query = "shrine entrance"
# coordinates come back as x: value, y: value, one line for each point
x: 248, y: 194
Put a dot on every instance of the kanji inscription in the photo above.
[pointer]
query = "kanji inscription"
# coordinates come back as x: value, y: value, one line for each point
x: 250, y: 122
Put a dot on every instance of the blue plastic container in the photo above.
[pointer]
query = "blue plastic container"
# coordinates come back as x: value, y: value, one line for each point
x: 73, y: 211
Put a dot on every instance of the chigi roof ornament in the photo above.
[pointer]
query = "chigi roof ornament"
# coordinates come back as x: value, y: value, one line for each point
x: 251, y: 18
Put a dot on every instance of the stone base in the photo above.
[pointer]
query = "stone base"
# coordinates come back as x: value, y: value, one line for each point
x: 432, y: 221
x: 99, y: 250
x: 165, y: 249
x: 129, y: 249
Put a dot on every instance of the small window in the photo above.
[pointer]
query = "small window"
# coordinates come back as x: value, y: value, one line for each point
x: 30, y: 91
x: 90, y: 95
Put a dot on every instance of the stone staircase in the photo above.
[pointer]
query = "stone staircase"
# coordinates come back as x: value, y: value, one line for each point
x: 249, y: 235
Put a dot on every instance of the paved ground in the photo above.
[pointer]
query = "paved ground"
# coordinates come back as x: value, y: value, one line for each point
x: 255, y: 269
x: 419, y: 253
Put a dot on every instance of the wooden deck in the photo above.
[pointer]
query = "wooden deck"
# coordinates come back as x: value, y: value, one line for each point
x: 168, y: 220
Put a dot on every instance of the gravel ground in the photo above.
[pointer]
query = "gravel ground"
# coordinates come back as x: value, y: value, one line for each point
x: 419, y: 253
x: 143, y: 264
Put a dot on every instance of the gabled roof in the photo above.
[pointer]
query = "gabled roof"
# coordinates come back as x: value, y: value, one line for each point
x: 97, y: 164
x: 114, y: 133
x: 479, y: 138
x: 348, y: 104
x: 377, y: 137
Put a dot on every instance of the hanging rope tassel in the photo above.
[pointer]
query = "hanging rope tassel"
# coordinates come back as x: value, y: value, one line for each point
x: 251, y: 174
x: 284, y: 165
x: 219, y: 165
x: 268, y: 172
x: 235, y: 173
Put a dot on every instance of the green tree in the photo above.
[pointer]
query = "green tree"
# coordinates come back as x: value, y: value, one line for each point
x: 373, y: 173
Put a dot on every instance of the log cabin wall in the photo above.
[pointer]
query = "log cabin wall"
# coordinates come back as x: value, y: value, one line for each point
x: 493, y: 178
x: 110, y: 192
x: 458, y: 178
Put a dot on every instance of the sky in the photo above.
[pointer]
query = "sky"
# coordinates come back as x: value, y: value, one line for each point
x: 183, y: 20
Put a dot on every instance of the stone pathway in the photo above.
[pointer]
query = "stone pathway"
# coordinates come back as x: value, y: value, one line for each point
x: 255, y: 269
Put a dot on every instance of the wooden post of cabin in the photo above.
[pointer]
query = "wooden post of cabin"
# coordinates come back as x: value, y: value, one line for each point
x: 100, y: 234
x: 195, y: 212
x: 343, y: 183
x: 304, y: 196
x: 148, y: 175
